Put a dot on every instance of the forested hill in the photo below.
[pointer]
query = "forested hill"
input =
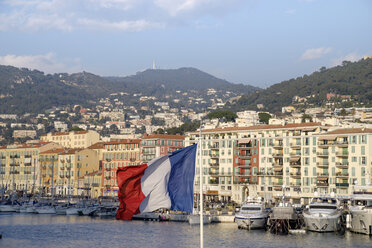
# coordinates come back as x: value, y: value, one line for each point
x: 350, y: 78
x: 179, y: 79
x: 31, y: 91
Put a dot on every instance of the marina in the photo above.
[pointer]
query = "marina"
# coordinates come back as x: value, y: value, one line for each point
x: 33, y: 230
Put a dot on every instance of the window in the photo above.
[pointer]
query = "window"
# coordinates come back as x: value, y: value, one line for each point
x: 353, y: 149
x: 363, y: 160
x: 364, y: 139
x: 363, y: 150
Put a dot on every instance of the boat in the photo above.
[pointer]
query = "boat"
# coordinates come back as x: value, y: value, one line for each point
x: 323, y: 215
x: 45, y: 209
x: 194, y: 219
x: 361, y: 211
x: 251, y: 215
x: 106, y: 211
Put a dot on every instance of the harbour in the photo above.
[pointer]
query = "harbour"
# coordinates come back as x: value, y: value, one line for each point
x: 32, y: 230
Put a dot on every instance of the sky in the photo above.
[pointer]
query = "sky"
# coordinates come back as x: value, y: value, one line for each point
x: 256, y: 42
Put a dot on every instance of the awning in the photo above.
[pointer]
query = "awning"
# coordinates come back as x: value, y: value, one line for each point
x: 328, y: 137
x: 294, y: 159
x: 245, y: 140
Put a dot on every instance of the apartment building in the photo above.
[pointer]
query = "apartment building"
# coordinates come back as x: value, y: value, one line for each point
x: 299, y: 159
x: 156, y: 145
x: 73, y: 139
x: 49, y: 162
x: 117, y: 154
x: 19, y: 166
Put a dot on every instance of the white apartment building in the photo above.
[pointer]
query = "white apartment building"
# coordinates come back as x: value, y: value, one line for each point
x: 301, y: 158
x: 73, y: 139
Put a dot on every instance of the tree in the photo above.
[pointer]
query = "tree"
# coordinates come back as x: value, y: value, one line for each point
x: 75, y: 128
x: 222, y: 114
x: 343, y: 112
x: 264, y: 117
x: 306, y: 117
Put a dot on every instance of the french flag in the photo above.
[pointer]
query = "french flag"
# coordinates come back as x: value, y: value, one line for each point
x: 165, y: 182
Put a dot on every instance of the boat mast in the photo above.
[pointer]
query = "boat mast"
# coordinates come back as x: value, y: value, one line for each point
x: 201, y: 186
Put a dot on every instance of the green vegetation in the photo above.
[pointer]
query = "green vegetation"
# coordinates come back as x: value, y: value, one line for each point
x: 351, y: 78
x: 264, y: 117
x: 222, y: 114
x: 186, y: 127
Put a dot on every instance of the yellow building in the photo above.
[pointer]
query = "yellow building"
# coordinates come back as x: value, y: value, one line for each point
x: 19, y: 166
x: 73, y: 139
x: 49, y: 171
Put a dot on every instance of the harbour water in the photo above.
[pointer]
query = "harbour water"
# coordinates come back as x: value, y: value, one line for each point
x: 23, y: 230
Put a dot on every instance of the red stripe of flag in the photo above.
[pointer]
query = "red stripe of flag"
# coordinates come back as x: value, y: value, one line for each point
x: 130, y: 192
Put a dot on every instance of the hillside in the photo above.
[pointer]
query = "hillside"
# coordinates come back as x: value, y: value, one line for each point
x: 180, y: 79
x: 31, y: 91
x: 350, y: 78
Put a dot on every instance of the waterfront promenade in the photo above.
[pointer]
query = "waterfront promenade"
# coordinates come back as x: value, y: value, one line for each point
x: 23, y: 230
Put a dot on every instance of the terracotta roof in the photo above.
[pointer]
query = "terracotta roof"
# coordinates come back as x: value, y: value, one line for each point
x: 25, y: 145
x: 263, y: 127
x: 98, y: 145
x: 70, y: 151
x: 123, y: 141
x: 56, y: 150
x: 66, y: 133
x: 350, y: 130
x: 164, y: 136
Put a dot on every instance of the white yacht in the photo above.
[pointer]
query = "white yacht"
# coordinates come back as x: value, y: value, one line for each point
x: 323, y: 215
x: 361, y: 212
x: 252, y: 215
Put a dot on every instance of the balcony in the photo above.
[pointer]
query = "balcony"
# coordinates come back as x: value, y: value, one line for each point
x: 295, y: 174
x: 15, y: 164
x: 214, y: 173
x: 277, y: 183
x: 240, y: 165
x: 342, y: 165
x: 295, y: 184
x: 213, y: 147
x: 342, y: 185
x: 213, y: 181
x: 322, y: 176
x: 237, y: 174
x: 322, y: 184
x: 245, y: 156
x: 215, y: 155
x: 342, y: 154
x: 295, y: 144
x: 214, y: 164
x: 322, y: 154
x: 277, y: 155
x: 295, y: 154
x: 295, y: 164
x: 323, y: 144
x: 27, y: 172
x: 278, y: 145
x: 322, y: 164
x: 342, y: 143
x: 342, y: 174
x: 27, y: 164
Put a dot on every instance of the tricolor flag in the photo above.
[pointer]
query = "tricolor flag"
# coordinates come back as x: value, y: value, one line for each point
x: 166, y: 182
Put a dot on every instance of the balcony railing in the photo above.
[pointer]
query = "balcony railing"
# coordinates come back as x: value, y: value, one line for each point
x: 342, y: 154
x: 322, y: 184
x: 342, y: 174
x: 342, y: 184
x: 322, y: 164
x: 342, y: 165
x: 295, y: 164
x: 322, y: 154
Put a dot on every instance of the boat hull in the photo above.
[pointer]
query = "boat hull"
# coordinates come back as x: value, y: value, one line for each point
x: 322, y: 223
x: 251, y: 223
x: 361, y: 221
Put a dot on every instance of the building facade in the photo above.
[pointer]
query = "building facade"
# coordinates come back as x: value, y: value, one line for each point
x: 156, y: 145
x: 117, y: 154
x: 73, y: 139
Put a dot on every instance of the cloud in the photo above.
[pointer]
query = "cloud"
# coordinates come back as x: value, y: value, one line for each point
x: 71, y: 15
x: 134, y: 26
x: 352, y: 57
x: 46, y: 63
x: 315, y: 53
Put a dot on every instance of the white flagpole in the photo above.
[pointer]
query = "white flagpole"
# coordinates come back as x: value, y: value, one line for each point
x: 201, y: 188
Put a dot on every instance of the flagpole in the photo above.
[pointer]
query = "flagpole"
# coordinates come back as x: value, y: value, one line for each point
x: 201, y: 188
